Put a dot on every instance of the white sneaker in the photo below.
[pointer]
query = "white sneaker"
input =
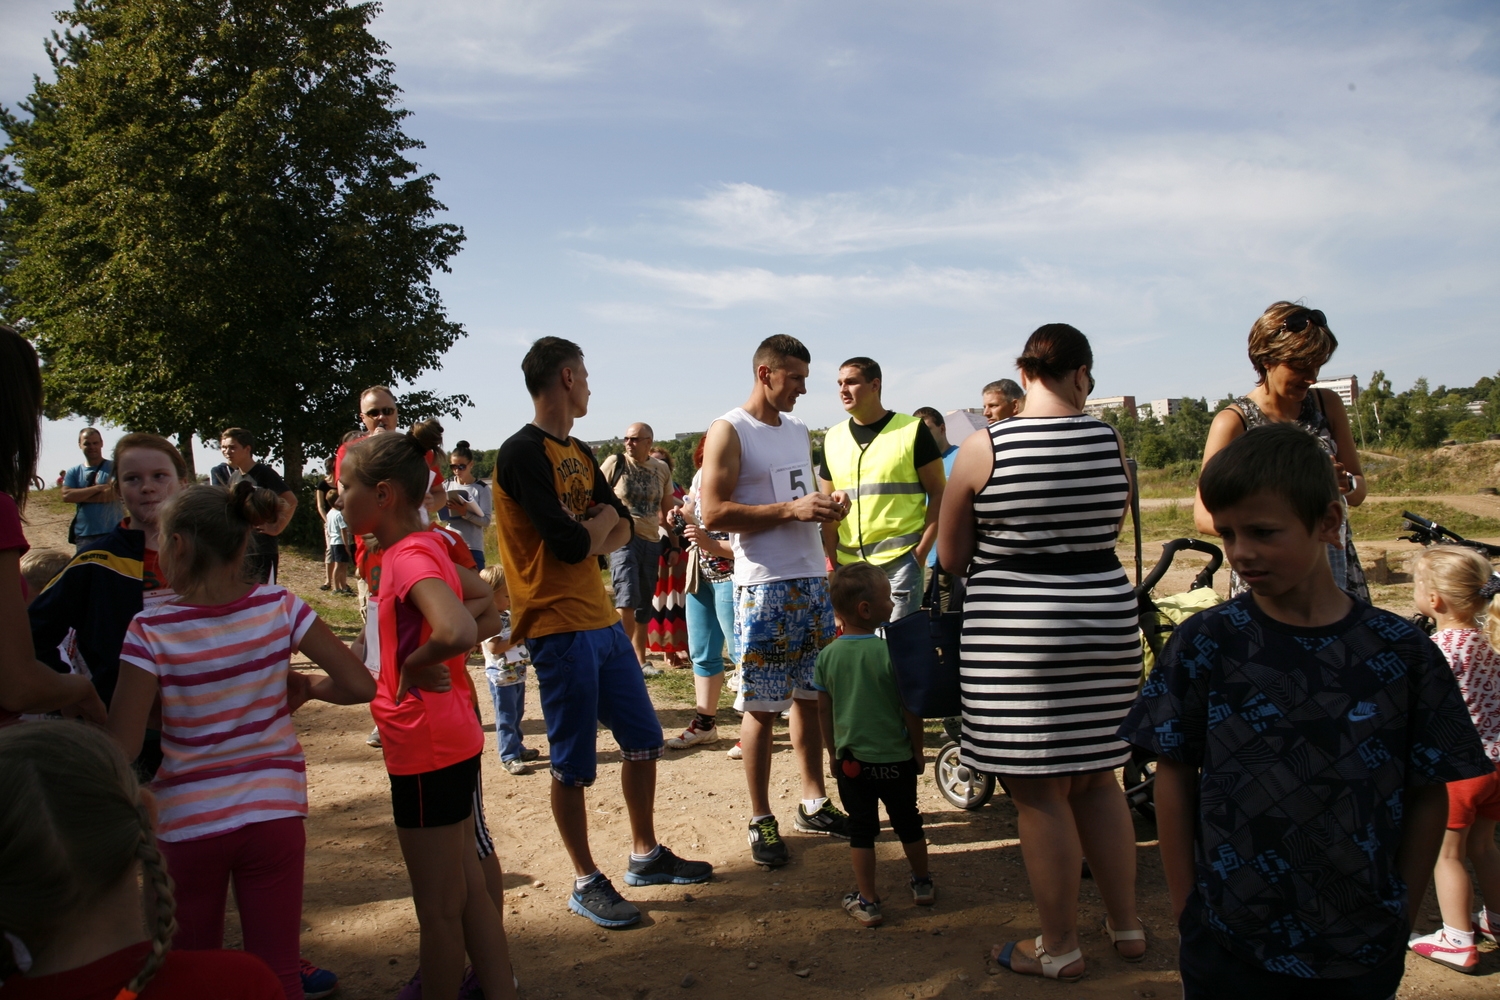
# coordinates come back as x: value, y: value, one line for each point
x: 736, y: 752
x: 732, y: 681
x: 691, y: 737
x: 1483, y: 928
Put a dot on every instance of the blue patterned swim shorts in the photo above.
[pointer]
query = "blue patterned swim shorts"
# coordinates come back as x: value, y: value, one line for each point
x: 780, y: 627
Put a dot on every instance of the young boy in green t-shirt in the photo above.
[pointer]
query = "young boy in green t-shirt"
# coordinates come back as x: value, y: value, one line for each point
x: 874, y: 744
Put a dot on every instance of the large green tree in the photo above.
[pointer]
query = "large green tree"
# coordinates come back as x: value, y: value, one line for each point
x: 213, y: 221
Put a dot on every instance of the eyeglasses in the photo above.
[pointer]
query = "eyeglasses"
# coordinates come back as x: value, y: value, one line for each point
x: 1301, y: 321
x: 457, y: 468
x: 634, y: 439
x: 381, y: 411
x: 1092, y: 383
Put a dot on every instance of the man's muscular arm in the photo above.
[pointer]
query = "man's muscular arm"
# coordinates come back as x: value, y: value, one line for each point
x: 721, y: 470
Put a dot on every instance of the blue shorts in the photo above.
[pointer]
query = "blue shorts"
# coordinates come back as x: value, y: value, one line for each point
x: 780, y: 628
x: 632, y: 573
x: 588, y: 679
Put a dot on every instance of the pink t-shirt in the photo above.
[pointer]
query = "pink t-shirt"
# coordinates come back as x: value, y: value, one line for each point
x: 230, y: 751
x: 426, y: 730
x: 1477, y: 667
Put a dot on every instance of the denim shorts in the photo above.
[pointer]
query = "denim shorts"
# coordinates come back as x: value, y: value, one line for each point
x: 632, y: 574
x: 779, y: 629
x: 587, y: 679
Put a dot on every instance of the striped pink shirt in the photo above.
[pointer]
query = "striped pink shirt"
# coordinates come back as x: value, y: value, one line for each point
x: 231, y: 755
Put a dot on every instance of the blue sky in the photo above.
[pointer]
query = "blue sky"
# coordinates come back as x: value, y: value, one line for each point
x: 667, y: 183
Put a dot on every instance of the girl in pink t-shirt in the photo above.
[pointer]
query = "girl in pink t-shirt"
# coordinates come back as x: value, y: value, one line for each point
x: 424, y: 708
x: 1454, y: 586
x: 232, y: 786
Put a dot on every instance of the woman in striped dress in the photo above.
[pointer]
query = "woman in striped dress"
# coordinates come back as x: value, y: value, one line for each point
x: 1051, y: 657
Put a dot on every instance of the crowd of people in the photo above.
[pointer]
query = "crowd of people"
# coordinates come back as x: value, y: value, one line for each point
x: 1316, y: 756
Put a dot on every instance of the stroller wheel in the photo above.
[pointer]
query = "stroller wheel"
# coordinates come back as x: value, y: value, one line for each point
x: 960, y: 784
x: 1139, y: 773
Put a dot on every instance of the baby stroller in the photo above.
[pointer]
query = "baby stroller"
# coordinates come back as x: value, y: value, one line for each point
x: 960, y: 784
x: 1159, y: 616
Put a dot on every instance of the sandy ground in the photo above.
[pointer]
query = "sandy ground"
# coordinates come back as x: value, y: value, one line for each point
x: 750, y: 931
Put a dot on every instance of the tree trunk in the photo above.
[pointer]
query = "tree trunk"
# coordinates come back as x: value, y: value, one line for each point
x: 293, y: 460
x: 185, y: 445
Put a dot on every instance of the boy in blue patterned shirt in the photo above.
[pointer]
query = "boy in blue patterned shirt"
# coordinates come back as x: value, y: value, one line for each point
x: 1303, y: 740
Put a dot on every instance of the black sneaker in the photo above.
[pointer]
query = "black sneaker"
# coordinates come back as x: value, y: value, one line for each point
x: 766, y: 846
x: 600, y: 903
x: 667, y: 869
x: 828, y: 820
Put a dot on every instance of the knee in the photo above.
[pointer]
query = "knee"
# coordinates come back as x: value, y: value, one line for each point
x: 907, y: 824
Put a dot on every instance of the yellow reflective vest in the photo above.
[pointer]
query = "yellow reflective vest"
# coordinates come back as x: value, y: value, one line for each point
x: 888, y: 502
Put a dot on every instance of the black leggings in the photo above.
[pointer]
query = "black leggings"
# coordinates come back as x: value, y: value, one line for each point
x: 893, y: 784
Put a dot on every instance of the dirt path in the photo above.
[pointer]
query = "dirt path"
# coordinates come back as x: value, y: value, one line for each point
x: 750, y: 932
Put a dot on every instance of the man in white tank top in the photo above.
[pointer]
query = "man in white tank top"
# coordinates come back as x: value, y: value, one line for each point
x: 759, y: 484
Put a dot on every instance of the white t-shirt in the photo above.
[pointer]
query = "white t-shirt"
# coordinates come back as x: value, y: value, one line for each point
x: 334, y: 527
x: 775, y: 467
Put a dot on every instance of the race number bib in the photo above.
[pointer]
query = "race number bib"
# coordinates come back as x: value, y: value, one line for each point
x: 788, y: 482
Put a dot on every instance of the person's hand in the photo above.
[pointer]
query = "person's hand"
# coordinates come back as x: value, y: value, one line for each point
x: 298, y: 690
x: 88, y: 707
x: 921, y: 764
x: 694, y: 534
x: 1345, y: 484
x: 603, y: 510
x: 458, y: 507
x: 833, y: 766
x: 434, y: 677
x: 819, y: 508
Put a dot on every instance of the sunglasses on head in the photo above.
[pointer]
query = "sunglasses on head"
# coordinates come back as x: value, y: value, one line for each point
x: 381, y: 411
x: 1299, y: 322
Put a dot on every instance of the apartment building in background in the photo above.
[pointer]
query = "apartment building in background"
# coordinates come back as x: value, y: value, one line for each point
x: 1096, y: 407
x: 1161, y: 409
x: 1345, y: 386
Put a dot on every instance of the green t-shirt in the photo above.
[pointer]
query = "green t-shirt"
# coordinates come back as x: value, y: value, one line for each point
x: 855, y: 670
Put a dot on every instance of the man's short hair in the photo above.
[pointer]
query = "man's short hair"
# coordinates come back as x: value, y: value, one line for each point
x: 775, y: 349
x: 89, y: 430
x: 1005, y: 387
x: 378, y: 388
x: 928, y: 413
x: 854, y: 583
x: 240, y: 436
x: 868, y: 368
x: 1279, y: 459
x: 547, y: 357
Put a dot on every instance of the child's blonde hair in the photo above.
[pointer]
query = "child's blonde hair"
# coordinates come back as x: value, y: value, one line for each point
x: 72, y: 826
x: 39, y: 566
x: 494, y: 575
x: 1466, y: 581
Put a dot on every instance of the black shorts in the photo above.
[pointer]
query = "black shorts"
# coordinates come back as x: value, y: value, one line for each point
x: 892, y: 784
x: 337, y: 553
x: 1211, y: 971
x: 435, y: 798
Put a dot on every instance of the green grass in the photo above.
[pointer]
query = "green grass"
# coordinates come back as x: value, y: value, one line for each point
x: 1464, y: 468
x: 1381, y: 521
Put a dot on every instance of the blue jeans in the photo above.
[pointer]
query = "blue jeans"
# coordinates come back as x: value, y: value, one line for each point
x: 905, y: 575
x: 478, y: 555
x: 710, y: 624
x: 510, y: 705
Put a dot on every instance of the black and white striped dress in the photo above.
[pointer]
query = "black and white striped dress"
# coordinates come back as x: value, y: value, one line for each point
x: 1051, y: 657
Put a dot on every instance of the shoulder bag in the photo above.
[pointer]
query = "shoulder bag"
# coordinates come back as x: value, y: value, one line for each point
x: 924, y: 648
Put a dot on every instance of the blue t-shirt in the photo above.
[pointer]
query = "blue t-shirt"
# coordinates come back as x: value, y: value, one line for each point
x: 1306, y: 738
x: 94, y: 518
x: 949, y: 457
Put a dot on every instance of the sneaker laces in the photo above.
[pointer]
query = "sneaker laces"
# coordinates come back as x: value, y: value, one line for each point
x: 769, y: 833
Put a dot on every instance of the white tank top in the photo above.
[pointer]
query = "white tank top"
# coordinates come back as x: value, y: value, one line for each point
x: 775, y: 467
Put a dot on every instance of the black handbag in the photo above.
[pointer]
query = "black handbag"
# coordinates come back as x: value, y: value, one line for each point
x: 924, y: 654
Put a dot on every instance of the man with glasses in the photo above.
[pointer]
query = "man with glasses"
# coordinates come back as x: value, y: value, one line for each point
x: 236, y: 445
x: 644, y: 485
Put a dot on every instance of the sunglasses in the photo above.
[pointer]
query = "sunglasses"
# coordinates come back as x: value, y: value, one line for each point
x: 1092, y: 383
x: 1301, y: 321
x: 458, y: 468
x: 633, y: 439
x: 381, y: 411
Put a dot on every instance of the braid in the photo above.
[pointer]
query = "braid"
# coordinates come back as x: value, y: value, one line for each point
x: 162, y: 908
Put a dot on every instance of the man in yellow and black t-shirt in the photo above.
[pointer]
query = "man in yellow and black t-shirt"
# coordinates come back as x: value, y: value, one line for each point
x: 555, y: 513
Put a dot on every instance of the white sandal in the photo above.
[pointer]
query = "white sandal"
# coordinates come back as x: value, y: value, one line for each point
x: 1115, y: 937
x: 1052, y: 965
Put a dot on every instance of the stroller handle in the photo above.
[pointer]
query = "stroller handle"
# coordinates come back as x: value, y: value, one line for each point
x: 1170, y: 550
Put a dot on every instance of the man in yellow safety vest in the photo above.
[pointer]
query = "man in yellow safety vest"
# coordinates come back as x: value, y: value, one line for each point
x: 888, y: 468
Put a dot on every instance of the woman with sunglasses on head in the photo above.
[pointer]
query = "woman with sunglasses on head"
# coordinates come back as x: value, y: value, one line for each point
x: 1289, y: 343
x: 469, y: 503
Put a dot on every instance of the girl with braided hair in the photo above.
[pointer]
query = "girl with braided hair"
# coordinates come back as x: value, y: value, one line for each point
x: 78, y: 859
x: 232, y: 783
